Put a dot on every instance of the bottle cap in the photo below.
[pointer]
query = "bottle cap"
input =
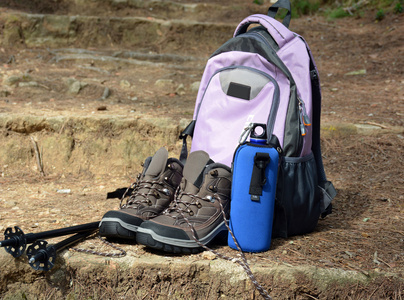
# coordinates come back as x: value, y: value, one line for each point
x: 258, y: 133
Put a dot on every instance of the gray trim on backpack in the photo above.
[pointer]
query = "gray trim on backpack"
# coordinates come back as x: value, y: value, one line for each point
x: 245, y: 76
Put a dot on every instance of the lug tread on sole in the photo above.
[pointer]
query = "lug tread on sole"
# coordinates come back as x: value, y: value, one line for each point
x: 147, y: 240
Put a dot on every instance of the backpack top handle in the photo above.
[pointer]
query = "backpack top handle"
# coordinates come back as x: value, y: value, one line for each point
x: 280, y: 33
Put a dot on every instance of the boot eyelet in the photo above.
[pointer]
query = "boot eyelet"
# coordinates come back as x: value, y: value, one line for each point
x: 210, y: 198
x: 214, y: 173
x: 198, y: 205
x: 166, y: 192
x: 149, y: 203
x: 191, y: 213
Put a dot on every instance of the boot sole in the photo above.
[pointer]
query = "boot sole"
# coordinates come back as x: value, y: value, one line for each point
x: 116, y: 228
x: 153, y: 240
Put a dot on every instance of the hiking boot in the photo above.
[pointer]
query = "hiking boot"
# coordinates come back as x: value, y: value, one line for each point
x: 203, y: 188
x: 152, y: 193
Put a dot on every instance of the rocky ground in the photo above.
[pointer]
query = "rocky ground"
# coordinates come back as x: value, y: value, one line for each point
x: 97, y: 92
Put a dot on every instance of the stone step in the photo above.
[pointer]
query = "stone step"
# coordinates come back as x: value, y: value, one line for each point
x: 144, y: 34
x: 81, y: 143
x: 110, y: 143
x: 148, y: 276
x: 158, y: 26
x: 226, y: 11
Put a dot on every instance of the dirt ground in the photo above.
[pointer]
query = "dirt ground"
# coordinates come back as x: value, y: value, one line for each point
x: 361, y: 65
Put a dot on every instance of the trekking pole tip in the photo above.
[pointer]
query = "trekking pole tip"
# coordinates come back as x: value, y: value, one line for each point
x: 31, y: 260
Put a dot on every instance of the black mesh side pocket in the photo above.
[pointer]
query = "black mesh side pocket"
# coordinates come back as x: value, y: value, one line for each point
x: 297, y: 204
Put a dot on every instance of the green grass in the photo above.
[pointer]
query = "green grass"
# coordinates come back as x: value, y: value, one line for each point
x: 380, y: 15
x: 398, y: 8
x: 305, y: 7
x: 336, y: 13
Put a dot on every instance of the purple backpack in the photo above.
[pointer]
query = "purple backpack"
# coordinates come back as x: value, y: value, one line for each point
x: 266, y: 74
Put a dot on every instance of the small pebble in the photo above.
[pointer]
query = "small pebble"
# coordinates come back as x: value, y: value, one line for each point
x: 208, y: 255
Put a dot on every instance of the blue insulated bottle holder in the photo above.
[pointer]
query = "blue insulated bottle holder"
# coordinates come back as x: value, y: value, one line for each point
x: 255, y: 168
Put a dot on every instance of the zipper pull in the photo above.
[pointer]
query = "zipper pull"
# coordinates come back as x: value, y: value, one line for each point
x: 301, y: 124
x: 302, y: 115
x: 305, y: 119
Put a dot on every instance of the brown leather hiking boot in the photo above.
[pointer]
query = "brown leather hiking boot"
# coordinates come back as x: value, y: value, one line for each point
x: 152, y: 193
x: 204, y: 190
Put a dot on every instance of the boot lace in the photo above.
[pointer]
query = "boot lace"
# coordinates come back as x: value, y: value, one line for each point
x: 175, y: 206
x: 154, y: 189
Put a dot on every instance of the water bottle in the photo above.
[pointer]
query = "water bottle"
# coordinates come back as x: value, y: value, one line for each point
x: 255, y: 169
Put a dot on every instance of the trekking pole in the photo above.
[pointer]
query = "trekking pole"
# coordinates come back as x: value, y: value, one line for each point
x: 16, y: 242
x: 42, y: 257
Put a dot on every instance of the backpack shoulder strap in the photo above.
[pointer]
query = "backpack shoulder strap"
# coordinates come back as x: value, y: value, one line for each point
x: 327, y: 188
x: 273, y: 10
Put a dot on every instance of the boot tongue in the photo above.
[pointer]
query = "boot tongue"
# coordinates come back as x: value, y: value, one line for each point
x: 157, y: 164
x: 195, y: 166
